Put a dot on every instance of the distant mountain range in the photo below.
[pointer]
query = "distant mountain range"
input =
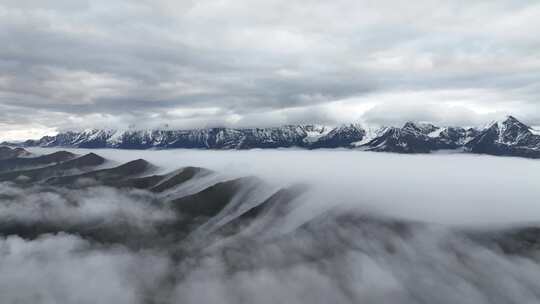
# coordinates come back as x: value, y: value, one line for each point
x: 508, y: 137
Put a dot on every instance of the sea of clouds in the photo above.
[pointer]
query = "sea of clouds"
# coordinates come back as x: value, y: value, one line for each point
x: 359, y: 258
x: 451, y: 189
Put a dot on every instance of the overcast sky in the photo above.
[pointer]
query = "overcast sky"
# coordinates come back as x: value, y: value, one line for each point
x: 67, y: 64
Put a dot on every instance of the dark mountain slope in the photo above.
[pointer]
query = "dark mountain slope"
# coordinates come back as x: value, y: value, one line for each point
x: 77, y: 165
x: 10, y: 153
x: 180, y: 177
x: 32, y: 162
x: 276, y: 206
x: 107, y: 176
x: 160, y: 183
x: 211, y: 200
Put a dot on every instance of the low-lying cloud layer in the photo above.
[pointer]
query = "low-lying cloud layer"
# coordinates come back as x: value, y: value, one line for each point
x: 443, y: 188
x: 38, y: 205
x: 345, y: 239
x: 207, y: 63
x: 64, y: 268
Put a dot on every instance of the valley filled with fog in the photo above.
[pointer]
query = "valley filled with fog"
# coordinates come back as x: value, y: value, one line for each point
x: 439, y: 188
x: 269, y: 226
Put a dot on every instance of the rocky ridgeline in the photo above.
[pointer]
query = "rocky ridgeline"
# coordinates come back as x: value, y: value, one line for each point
x: 508, y: 137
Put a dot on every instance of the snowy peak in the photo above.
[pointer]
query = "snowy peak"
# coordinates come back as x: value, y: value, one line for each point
x: 341, y: 136
x: 423, y: 128
x: 507, y: 137
x: 512, y: 121
x: 408, y: 139
x: 508, y: 131
x: 314, y: 132
x: 512, y: 131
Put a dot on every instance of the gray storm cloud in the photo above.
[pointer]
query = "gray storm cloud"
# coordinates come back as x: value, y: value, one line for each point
x: 99, y: 63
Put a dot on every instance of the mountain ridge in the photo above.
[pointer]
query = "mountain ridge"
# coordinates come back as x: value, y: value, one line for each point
x: 508, y: 137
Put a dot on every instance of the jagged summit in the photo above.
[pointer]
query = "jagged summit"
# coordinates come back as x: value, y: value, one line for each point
x: 508, y: 120
x: 512, y: 119
x: 422, y: 127
x: 505, y: 137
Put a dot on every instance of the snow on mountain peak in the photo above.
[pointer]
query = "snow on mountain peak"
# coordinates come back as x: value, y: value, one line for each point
x: 505, y: 137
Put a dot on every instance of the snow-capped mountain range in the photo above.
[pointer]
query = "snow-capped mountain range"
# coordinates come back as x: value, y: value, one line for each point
x: 506, y: 137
